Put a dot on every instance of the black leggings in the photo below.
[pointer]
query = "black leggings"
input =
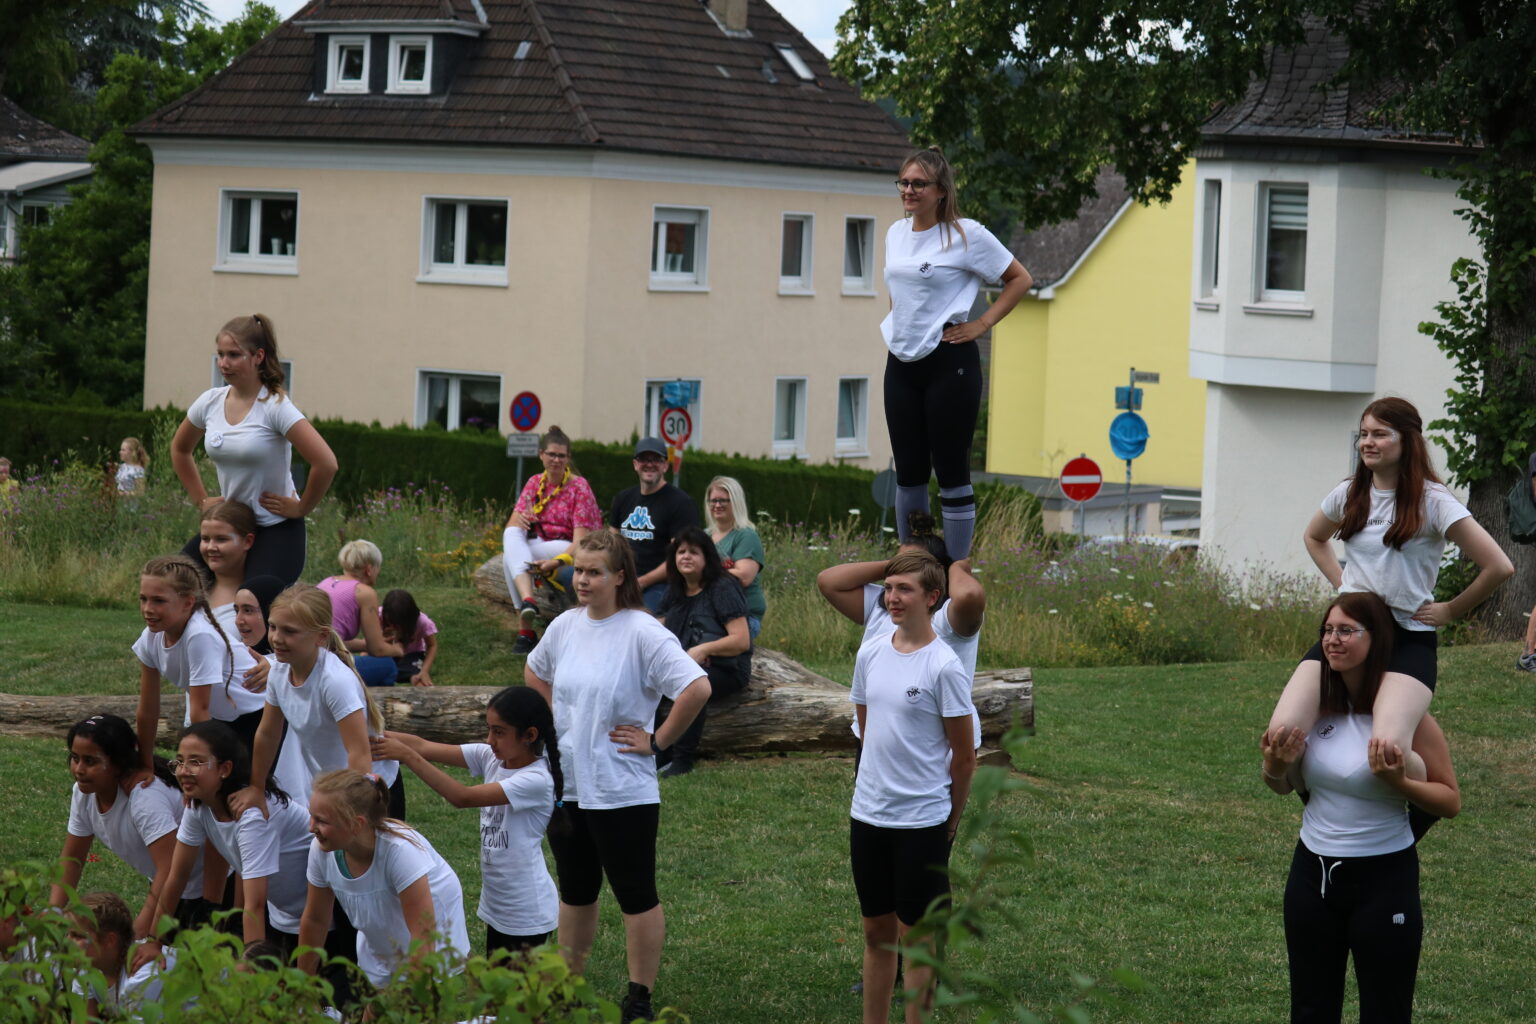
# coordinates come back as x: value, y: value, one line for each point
x: 1365, y: 906
x: 898, y: 870
x: 930, y: 410
x: 278, y: 551
x: 495, y: 940
x: 620, y: 843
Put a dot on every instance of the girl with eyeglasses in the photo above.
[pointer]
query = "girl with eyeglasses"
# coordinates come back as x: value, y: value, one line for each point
x: 554, y: 511
x: 1394, y: 518
x: 136, y: 822
x: 935, y: 264
x: 1353, y: 888
x: 741, y: 549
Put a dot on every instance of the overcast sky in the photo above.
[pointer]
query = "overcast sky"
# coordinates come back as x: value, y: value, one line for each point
x: 817, y: 19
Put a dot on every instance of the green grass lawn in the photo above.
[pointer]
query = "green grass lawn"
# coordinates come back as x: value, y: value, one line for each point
x: 1159, y: 849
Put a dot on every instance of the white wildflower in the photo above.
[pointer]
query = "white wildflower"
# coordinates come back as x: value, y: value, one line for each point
x: 1254, y: 607
x: 1146, y: 604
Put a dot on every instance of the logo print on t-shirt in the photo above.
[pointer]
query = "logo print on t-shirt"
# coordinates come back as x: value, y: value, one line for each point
x: 926, y: 269
x: 1325, y: 731
x: 638, y: 524
x: 913, y: 694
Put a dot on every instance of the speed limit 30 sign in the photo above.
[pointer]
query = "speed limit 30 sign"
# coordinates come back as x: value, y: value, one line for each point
x: 676, y: 426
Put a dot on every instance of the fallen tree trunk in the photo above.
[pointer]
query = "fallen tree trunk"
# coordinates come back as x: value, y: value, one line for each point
x: 786, y: 707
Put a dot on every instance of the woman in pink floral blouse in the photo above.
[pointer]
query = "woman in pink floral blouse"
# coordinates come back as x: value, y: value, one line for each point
x: 555, y: 510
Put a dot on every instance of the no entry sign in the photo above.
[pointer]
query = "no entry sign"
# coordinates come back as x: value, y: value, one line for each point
x: 1081, y: 479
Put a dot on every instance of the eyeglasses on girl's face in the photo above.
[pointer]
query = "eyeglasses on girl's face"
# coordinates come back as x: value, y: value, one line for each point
x: 1345, y: 633
x: 191, y: 764
x: 911, y: 184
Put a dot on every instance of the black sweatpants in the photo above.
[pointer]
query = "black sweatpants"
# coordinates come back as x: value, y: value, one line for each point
x: 1365, y: 907
x: 930, y: 410
x: 278, y: 551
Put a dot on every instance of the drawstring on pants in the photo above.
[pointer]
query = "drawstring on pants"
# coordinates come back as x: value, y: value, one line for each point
x: 1327, y: 873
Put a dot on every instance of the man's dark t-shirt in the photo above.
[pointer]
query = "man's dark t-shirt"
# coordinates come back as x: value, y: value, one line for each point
x: 650, y: 521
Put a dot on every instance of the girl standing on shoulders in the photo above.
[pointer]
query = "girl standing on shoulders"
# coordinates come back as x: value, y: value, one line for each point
x: 132, y: 462
x: 1354, y: 883
x: 183, y: 644
x: 316, y: 694
x: 741, y: 549
x: 935, y: 264
x: 604, y: 666
x: 554, y: 511
x: 138, y: 823
x: 520, y: 763
x: 268, y: 854
x: 1394, y: 517
x: 249, y: 429
x: 393, y: 885
x: 355, y: 612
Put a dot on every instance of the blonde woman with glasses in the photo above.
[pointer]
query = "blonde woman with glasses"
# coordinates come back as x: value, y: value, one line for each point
x: 741, y: 549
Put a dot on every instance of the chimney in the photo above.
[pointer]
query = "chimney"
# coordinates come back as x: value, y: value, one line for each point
x: 732, y: 14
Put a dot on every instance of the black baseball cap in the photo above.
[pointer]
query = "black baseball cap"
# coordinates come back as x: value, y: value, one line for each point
x: 650, y: 445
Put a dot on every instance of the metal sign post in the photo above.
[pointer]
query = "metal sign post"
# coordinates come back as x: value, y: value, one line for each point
x: 524, y: 412
x: 1080, y: 483
x: 1128, y: 432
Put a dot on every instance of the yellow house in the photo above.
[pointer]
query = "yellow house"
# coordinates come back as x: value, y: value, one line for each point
x: 1111, y: 293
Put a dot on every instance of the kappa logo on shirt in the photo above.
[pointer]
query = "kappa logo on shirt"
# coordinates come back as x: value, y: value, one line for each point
x: 926, y: 269
x: 638, y: 525
x: 914, y: 694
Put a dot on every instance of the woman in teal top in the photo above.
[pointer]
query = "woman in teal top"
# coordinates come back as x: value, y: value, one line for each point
x: 741, y: 549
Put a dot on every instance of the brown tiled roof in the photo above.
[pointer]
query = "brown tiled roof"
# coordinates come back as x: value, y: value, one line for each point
x: 389, y: 10
x: 24, y: 137
x: 1292, y: 100
x: 1049, y: 252
x: 647, y: 75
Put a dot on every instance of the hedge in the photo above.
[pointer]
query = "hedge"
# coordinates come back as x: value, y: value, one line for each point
x: 473, y: 465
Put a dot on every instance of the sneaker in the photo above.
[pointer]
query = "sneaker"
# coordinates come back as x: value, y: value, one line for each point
x: 528, y: 608
x: 636, y: 1005
x: 525, y: 643
x: 1526, y: 663
x: 676, y: 768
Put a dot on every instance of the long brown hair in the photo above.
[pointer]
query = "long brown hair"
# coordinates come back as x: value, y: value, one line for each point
x: 620, y: 558
x: 1372, y: 613
x: 254, y: 334
x: 1414, y: 473
x: 937, y: 170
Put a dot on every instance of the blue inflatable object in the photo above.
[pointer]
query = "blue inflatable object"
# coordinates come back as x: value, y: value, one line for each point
x: 1128, y: 436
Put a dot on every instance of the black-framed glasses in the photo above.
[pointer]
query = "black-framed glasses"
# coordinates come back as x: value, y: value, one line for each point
x: 911, y: 184
x: 561, y: 456
x: 1342, y: 632
x: 647, y: 460
x: 719, y: 501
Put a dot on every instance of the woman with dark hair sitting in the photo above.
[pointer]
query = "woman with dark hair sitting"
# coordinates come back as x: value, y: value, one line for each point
x: 706, y: 609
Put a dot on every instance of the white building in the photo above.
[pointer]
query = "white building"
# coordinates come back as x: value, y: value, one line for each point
x: 1321, y: 244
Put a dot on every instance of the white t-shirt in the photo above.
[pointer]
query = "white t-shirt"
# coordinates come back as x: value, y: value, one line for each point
x: 128, y: 477
x: 137, y: 818
x: 903, y: 779
x: 1404, y: 579
x: 313, y: 708
x: 517, y: 896
x: 606, y: 673
x: 132, y: 992
x: 252, y: 456
x: 201, y: 658
x: 1351, y: 813
x: 932, y: 285
x: 275, y: 848
x: 372, y: 901
x: 877, y: 623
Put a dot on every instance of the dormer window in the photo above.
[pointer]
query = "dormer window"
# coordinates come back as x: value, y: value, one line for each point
x: 410, y: 64
x: 348, y: 64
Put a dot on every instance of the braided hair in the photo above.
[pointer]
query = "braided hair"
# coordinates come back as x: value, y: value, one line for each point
x: 185, y: 578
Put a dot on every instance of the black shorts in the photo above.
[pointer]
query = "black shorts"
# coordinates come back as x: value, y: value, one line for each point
x: 495, y: 940
x: 620, y: 844
x: 1413, y: 654
x: 900, y: 870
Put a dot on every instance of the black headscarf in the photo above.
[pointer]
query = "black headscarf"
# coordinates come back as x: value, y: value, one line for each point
x: 264, y: 589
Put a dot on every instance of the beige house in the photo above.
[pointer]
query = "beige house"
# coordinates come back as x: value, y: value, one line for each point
x: 622, y: 206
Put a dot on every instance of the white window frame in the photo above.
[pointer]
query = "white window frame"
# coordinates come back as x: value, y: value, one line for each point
x: 663, y: 280
x: 397, y: 85
x: 794, y: 445
x: 654, y: 407
x: 456, y: 377
x: 1210, y: 239
x: 1265, y: 293
x: 460, y: 271
x: 217, y: 380
x: 865, y: 285
x: 256, y: 263
x: 333, y: 80
x: 858, y: 443
x: 805, y: 282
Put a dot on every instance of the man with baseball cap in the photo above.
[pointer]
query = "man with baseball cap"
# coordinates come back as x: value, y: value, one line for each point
x: 649, y: 515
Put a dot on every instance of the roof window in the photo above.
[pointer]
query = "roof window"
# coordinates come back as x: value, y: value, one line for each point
x: 796, y: 64
x: 347, y: 64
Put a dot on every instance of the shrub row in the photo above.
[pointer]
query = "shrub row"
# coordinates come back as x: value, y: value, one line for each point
x: 473, y: 465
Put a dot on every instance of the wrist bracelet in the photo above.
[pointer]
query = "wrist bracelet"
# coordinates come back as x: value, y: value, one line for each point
x: 654, y: 748
x: 1272, y: 778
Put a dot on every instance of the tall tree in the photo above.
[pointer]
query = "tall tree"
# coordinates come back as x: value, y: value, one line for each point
x: 72, y: 311
x: 1029, y: 100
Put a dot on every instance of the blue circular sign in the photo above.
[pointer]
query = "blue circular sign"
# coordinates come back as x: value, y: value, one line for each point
x: 525, y: 411
x: 1128, y: 436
